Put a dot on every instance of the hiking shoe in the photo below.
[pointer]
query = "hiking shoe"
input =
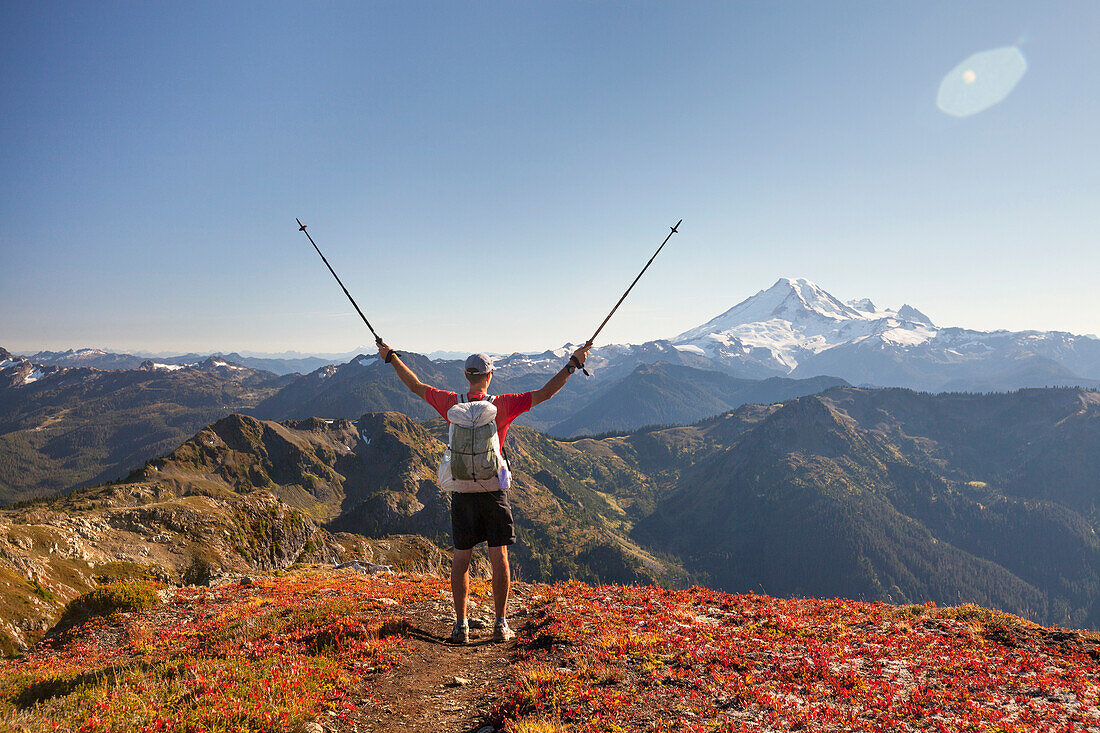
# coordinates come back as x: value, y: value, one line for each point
x: 501, y: 632
x: 460, y: 634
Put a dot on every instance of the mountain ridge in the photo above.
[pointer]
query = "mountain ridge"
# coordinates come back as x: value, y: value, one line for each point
x: 886, y: 494
x: 62, y: 427
x: 793, y: 328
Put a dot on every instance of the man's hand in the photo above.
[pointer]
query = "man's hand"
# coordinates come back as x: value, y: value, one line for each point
x: 581, y: 354
x: 383, y: 349
x: 558, y: 380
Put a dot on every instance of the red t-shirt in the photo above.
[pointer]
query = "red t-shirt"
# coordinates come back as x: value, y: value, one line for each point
x: 509, y: 406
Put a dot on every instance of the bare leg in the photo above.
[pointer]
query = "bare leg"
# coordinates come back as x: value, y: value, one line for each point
x: 460, y: 581
x: 502, y: 578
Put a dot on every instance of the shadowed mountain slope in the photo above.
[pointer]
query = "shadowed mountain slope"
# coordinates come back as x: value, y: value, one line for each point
x: 895, y: 495
x: 677, y: 395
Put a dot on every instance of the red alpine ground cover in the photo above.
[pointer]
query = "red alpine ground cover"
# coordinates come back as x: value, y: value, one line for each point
x: 259, y: 657
x: 643, y: 659
x: 311, y: 645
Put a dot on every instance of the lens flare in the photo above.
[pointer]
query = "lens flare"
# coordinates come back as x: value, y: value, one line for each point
x: 981, y: 81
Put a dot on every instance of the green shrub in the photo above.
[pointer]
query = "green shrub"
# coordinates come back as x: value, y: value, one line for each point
x: 8, y: 647
x: 119, y: 571
x: 200, y: 571
x: 44, y: 593
x: 129, y: 597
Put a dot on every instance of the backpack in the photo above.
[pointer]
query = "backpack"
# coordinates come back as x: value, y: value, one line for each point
x: 473, y: 461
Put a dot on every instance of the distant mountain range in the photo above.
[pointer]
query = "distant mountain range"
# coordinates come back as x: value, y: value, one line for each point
x: 100, y: 359
x: 62, y: 427
x: 793, y: 329
x: 797, y: 329
x: 630, y: 394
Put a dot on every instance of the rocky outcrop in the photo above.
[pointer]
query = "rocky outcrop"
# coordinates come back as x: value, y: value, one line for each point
x: 48, y: 557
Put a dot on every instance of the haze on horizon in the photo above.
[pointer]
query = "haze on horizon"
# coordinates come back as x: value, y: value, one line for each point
x: 492, y: 177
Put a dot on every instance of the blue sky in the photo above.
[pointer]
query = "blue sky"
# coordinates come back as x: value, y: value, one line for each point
x: 491, y: 176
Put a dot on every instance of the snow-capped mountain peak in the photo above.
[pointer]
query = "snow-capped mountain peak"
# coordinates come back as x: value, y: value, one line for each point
x: 792, y: 300
x: 799, y: 294
x: 909, y: 313
x: 864, y: 305
x: 795, y: 317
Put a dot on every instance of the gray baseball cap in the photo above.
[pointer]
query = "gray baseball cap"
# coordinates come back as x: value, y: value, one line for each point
x: 477, y: 364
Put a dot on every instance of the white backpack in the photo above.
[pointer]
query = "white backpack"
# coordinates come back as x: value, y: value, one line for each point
x: 473, y: 461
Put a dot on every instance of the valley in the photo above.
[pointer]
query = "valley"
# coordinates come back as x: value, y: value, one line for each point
x: 887, y: 495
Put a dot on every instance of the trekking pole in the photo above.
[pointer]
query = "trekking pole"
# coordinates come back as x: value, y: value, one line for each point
x: 593, y: 339
x: 302, y: 229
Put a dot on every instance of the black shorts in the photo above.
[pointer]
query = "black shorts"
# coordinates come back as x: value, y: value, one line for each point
x: 484, y: 516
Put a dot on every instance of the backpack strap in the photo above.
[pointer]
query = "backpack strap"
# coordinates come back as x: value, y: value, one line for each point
x: 462, y: 399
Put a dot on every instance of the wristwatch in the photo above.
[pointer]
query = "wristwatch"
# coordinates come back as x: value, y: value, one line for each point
x: 569, y: 368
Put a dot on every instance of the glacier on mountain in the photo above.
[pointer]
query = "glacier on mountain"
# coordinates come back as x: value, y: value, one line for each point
x: 794, y: 318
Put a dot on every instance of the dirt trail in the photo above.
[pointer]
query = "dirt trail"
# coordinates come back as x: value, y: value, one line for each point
x: 420, y: 693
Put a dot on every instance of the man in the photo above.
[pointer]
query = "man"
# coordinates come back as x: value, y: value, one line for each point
x: 483, y: 516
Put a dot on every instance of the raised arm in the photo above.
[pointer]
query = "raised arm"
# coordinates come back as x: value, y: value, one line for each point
x: 548, y: 390
x: 406, y: 375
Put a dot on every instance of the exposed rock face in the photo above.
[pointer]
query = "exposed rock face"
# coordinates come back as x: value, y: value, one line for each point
x: 271, y: 534
x: 49, y: 556
x: 394, y: 488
